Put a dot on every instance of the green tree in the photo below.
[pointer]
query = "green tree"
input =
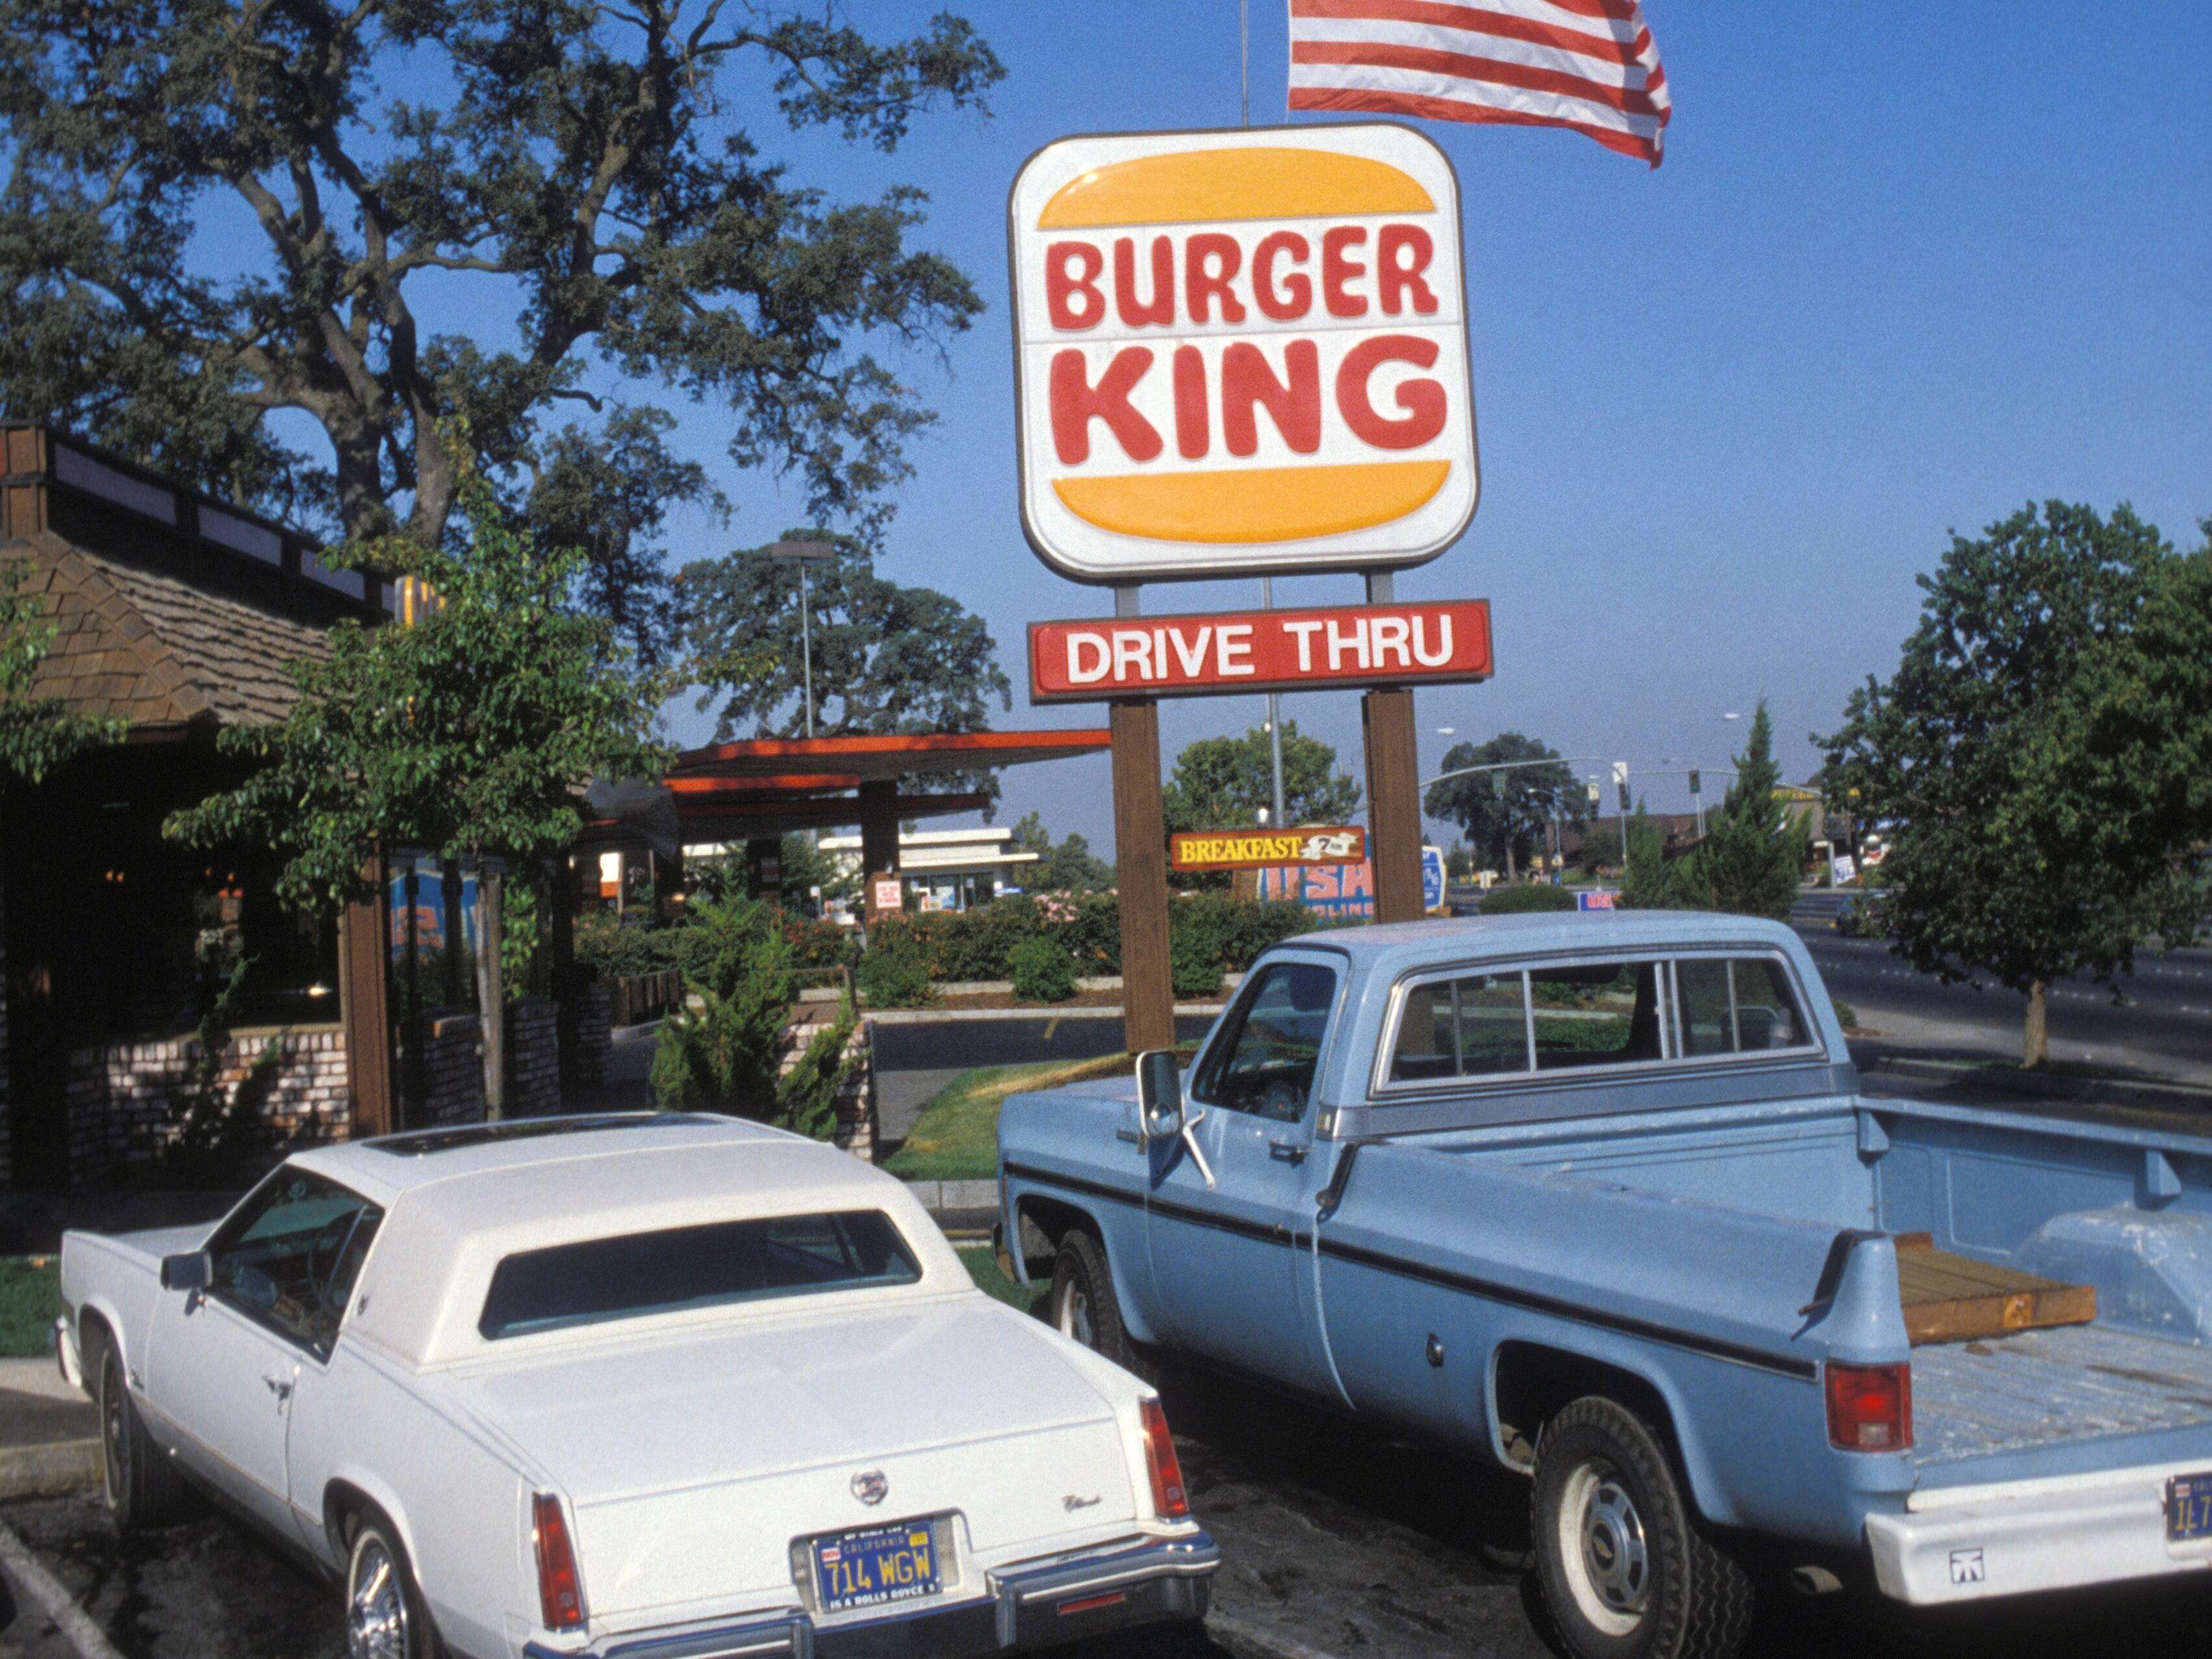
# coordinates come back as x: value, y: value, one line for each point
x: 1973, y: 756
x: 1459, y: 862
x: 471, y: 733
x: 381, y: 214
x: 37, y: 733
x: 1752, y: 857
x: 1221, y: 782
x: 1068, y: 867
x: 1504, y: 814
x: 886, y: 658
x: 726, y: 1053
x: 1648, y: 881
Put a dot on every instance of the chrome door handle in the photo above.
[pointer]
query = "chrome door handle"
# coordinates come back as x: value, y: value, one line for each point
x: 280, y: 1386
x: 1288, y: 1151
x: 1132, y: 1135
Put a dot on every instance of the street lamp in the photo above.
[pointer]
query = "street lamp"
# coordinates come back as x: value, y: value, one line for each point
x: 802, y: 554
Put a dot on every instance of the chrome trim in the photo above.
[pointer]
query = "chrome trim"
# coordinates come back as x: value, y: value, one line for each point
x: 1381, y: 1091
x: 792, y: 1634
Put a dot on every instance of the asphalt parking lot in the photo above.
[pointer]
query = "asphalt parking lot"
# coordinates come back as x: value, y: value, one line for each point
x: 1336, y: 1543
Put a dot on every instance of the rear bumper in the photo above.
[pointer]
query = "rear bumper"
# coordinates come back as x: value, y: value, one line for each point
x: 1028, y: 1606
x: 1972, y: 1543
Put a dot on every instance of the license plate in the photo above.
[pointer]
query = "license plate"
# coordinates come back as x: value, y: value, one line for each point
x: 874, y: 1568
x: 2189, y: 1506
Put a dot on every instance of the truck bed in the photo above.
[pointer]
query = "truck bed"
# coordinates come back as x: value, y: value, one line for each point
x: 1973, y: 1399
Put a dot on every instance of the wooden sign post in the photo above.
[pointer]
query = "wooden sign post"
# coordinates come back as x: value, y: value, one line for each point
x: 1243, y: 354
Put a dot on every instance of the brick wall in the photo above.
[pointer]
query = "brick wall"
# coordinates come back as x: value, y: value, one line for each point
x: 533, y: 1059
x: 452, y: 1073
x: 856, y: 1099
x: 125, y: 1098
x: 595, y: 1039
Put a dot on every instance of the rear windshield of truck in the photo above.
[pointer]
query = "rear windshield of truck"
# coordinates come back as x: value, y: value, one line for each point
x: 684, y: 1268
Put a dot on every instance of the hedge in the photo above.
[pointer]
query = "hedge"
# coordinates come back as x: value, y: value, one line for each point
x: 1520, y: 896
x: 976, y: 944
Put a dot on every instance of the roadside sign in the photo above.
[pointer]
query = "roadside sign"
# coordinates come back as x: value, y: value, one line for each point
x: 1241, y: 352
x: 1336, y: 893
x: 1596, y: 898
x: 1197, y: 850
x: 1244, y: 651
x: 1433, y: 878
x: 890, y: 892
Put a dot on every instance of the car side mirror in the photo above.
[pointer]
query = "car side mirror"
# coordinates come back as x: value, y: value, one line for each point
x: 194, y: 1270
x: 1159, y: 1093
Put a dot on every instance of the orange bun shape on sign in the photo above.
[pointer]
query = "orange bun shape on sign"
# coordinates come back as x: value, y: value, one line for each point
x: 1241, y: 352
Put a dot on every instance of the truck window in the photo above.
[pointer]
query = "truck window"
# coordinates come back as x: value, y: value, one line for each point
x: 1596, y: 1014
x: 1474, y: 1025
x: 1264, y: 1062
x: 1737, y: 1005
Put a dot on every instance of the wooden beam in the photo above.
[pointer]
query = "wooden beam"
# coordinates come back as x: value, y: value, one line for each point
x: 880, y: 838
x: 1393, y: 804
x: 364, y: 932
x: 1140, y: 855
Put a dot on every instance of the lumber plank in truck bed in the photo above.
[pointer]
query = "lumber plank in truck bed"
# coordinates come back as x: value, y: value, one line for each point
x: 1951, y: 1298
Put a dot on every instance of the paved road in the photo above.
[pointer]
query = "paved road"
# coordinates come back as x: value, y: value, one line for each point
x: 2161, y: 1023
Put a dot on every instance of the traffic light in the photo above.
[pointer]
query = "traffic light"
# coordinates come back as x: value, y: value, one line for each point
x: 1624, y: 797
x: 1693, y: 782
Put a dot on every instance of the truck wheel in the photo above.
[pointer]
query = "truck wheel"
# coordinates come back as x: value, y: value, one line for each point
x: 1082, y: 1304
x: 1624, y: 1570
x: 384, y: 1615
x: 143, y: 1491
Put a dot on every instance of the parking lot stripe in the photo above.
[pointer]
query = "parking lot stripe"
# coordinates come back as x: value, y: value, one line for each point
x: 42, y: 1587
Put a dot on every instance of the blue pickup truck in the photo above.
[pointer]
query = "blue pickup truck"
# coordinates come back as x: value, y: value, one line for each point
x: 1598, y: 1198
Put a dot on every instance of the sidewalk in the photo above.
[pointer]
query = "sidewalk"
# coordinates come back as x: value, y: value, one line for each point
x: 48, y: 1432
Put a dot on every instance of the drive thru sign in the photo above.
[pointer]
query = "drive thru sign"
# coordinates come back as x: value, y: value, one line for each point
x: 1241, y: 352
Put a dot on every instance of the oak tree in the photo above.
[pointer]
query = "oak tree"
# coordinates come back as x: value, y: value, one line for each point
x: 376, y: 215
x: 1504, y: 814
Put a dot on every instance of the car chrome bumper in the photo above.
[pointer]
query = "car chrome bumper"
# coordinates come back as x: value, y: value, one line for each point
x: 1970, y: 1543
x: 1025, y: 1606
x: 66, y: 1355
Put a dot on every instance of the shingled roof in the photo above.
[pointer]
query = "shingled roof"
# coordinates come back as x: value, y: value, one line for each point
x: 157, y: 651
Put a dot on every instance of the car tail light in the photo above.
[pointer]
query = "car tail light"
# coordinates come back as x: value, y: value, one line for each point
x: 1869, y: 1408
x: 1170, y: 1501
x: 560, y: 1592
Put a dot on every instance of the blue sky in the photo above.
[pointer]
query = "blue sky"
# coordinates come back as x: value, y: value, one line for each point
x: 1909, y: 264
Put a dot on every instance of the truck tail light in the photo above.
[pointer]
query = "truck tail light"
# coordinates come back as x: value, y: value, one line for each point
x: 1869, y: 1408
x: 1170, y: 1501
x: 560, y: 1591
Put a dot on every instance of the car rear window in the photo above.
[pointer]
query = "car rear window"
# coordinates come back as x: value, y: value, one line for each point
x: 639, y: 1273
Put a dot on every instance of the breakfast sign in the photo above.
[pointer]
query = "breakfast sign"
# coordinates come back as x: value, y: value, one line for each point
x: 1241, y: 352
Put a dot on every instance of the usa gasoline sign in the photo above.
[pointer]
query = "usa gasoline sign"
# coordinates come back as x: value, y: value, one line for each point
x: 1241, y: 352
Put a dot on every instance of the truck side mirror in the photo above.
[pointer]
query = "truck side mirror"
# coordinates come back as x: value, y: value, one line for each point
x: 194, y: 1270
x: 1159, y: 1093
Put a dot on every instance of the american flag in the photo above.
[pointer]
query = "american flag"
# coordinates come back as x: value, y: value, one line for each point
x: 1588, y: 65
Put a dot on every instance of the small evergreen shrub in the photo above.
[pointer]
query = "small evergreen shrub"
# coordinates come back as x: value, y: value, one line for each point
x: 1042, y: 971
x: 894, y: 974
x: 1521, y: 898
x: 1194, y: 965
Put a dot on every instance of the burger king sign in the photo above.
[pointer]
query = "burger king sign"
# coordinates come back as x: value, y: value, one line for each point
x: 1241, y: 352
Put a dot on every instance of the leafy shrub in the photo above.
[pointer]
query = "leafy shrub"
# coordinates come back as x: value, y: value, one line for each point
x: 725, y: 1054
x: 1041, y: 970
x: 1521, y: 898
x: 1235, y: 931
x: 1193, y: 966
x: 815, y: 944
x: 1089, y: 928
x: 894, y: 971
x: 614, y: 946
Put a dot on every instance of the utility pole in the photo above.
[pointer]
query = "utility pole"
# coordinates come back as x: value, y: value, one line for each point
x: 802, y: 554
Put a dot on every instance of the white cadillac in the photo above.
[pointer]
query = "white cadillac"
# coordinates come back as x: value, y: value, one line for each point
x: 632, y: 1385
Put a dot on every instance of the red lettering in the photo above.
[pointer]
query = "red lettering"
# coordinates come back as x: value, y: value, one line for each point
x: 1336, y: 270
x: 1062, y: 289
x: 1161, y: 307
x: 1076, y: 403
x: 1201, y: 286
x: 1422, y: 400
x: 1396, y: 278
x: 1295, y: 298
x: 1246, y: 381
x: 1194, y: 432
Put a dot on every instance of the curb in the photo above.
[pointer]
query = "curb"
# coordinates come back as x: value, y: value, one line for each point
x: 56, y: 1469
x: 31, y: 1575
x: 944, y: 1198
